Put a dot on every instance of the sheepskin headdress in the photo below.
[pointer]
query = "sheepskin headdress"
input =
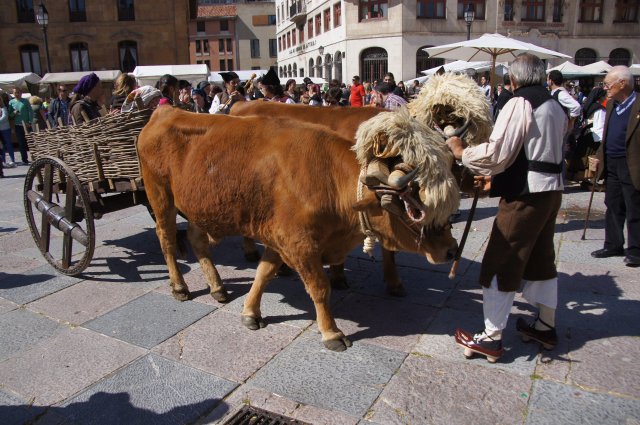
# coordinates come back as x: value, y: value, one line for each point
x: 449, y: 98
x: 419, y: 146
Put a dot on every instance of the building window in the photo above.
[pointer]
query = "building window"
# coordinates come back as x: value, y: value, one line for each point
x: 200, y: 26
x: 373, y: 64
x: 77, y: 11
x: 30, y: 56
x: 318, y: 21
x: 293, y: 37
x: 477, y: 5
x: 327, y: 19
x: 337, y: 15
x: 423, y: 62
x: 126, y: 10
x: 627, y: 10
x: 619, y: 57
x: 300, y: 36
x: 229, y: 46
x: 224, y: 25
x: 128, y: 55
x: 221, y: 45
x: 272, y: 48
x: 337, y: 66
x: 79, y: 53
x: 223, y: 65
x: 311, y: 68
x: 310, y: 29
x: 533, y: 10
x: 25, y: 11
x: 208, y: 63
x: 508, y: 10
x: 586, y: 56
x: 271, y: 19
x: 319, y: 67
x: 557, y: 10
x: 230, y: 64
x: 255, y: 48
x: 591, y: 11
x: 202, y: 47
x: 432, y: 9
x: 372, y: 9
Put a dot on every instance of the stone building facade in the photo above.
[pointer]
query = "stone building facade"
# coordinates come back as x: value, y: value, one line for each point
x: 94, y: 34
x: 234, y: 35
x: 339, y: 39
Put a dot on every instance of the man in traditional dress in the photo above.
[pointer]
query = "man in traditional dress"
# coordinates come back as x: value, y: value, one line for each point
x: 223, y: 101
x: 522, y: 163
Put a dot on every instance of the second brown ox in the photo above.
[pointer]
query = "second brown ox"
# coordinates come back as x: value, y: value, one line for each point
x: 289, y: 184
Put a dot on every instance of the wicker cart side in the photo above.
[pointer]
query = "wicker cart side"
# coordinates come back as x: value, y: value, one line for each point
x: 100, y: 150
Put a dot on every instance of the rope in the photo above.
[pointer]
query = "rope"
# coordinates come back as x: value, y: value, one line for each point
x: 365, y: 226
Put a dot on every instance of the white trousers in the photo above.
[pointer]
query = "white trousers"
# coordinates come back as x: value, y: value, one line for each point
x: 497, y: 305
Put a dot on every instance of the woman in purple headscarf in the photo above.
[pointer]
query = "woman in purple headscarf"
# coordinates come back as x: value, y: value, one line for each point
x: 85, y: 102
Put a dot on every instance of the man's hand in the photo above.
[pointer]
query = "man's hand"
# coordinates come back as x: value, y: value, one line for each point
x: 483, y: 183
x: 457, y: 146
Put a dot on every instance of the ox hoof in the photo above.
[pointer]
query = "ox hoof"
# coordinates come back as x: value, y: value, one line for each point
x: 339, y: 284
x: 397, y: 291
x: 252, y: 256
x: 183, y: 295
x: 337, y: 344
x: 253, y: 323
x: 222, y: 296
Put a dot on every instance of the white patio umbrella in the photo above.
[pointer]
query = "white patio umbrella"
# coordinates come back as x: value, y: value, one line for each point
x: 570, y: 70
x: 464, y: 66
x: 597, y: 68
x: 493, y: 48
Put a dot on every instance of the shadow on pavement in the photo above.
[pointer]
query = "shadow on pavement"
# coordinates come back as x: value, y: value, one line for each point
x: 106, y: 408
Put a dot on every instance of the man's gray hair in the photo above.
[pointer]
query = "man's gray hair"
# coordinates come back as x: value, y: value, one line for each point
x: 527, y: 70
x: 622, y: 72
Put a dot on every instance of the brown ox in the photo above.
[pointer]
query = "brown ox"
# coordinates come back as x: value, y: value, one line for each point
x: 345, y: 121
x: 289, y: 184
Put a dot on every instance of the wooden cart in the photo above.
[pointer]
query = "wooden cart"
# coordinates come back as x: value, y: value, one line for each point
x: 78, y: 174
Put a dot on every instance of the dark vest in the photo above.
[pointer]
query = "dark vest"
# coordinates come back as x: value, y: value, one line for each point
x: 616, y: 145
x: 512, y: 182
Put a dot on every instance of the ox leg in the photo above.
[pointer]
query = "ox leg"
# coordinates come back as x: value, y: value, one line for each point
x: 166, y: 213
x: 267, y: 268
x: 250, y: 250
x: 317, y: 285
x: 200, y: 244
x: 391, y: 276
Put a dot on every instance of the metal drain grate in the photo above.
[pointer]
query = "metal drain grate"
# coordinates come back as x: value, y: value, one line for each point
x: 249, y: 415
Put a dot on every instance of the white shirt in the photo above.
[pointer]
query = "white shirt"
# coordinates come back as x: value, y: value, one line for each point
x: 568, y: 102
x: 597, y: 128
x: 540, y: 130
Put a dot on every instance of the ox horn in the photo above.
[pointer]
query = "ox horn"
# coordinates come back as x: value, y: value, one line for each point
x: 402, y: 182
x: 458, y: 132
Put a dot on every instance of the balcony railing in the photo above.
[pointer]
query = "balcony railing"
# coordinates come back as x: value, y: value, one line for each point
x: 298, y: 13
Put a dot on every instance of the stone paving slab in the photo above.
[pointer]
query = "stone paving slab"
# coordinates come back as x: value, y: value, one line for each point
x: 86, y: 300
x: 151, y: 390
x: 360, y: 319
x: 7, y: 306
x: 553, y: 403
x: 214, y: 344
x: 347, y: 382
x: 16, y: 411
x: 586, y: 311
x: 262, y: 399
x: 434, y: 391
x: 65, y: 364
x: 23, y: 329
x: 149, y: 319
x: 34, y: 284
x: 598, y: 280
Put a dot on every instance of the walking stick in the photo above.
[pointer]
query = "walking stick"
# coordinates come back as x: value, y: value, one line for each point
x: 463, y: 240
x: 593, y: 189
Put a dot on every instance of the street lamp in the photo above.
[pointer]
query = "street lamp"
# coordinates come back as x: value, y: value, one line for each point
x: 42, y: 16
x: 321, y: 50
x: 469, y: 16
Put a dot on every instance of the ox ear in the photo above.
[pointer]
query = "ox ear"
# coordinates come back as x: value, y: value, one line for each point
x: 369, y: 205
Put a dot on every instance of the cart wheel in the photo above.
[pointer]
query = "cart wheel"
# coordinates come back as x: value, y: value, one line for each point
x: 64, y: 207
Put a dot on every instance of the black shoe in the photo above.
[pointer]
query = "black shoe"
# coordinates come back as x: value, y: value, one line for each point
x: 528, y: 332
x: 632, y: 261
x: 606, y: 253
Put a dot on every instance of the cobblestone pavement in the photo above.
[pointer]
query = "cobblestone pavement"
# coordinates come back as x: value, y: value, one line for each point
x: 113, y: 347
